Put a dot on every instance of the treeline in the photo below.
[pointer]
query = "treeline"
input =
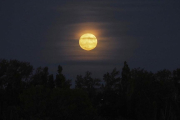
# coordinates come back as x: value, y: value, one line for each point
x: 136, y: 94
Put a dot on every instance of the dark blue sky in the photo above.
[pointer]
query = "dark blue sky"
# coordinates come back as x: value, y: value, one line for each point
x: 145, y: 33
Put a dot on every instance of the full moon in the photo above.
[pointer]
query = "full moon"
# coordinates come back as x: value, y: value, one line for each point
x: 88, y: 41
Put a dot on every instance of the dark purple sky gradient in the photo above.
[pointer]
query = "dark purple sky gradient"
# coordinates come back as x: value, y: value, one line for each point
x: 145, y: 33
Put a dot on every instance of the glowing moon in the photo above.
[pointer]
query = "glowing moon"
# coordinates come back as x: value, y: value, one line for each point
x: 88, y: 41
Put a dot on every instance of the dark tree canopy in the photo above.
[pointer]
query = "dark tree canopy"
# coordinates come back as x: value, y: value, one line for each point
x: 136, y: 94
x: 60, y: 80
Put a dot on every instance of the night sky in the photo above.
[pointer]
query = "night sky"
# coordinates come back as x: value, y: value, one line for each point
x: 145, y: 33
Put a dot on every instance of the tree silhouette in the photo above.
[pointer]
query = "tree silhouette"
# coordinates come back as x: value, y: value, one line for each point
x: 87, y: 81
x: 60, y: 80
x: 110, y: 95
x: 112, y: 81
x: 40, y: 77
x: 13, y: 75
x: 126, y: 75
x: 134, y: 94
x: 141, y: 94
x: 88, y: 84
x: 50, y: 81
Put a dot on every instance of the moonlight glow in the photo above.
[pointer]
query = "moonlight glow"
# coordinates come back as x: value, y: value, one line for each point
x: 88, y: 41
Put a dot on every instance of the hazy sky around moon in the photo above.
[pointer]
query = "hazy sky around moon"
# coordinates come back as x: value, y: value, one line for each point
x: 111, y: 33
x: 145, y: 33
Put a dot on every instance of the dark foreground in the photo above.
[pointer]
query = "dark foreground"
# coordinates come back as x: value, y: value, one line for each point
x: 134, y: 94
